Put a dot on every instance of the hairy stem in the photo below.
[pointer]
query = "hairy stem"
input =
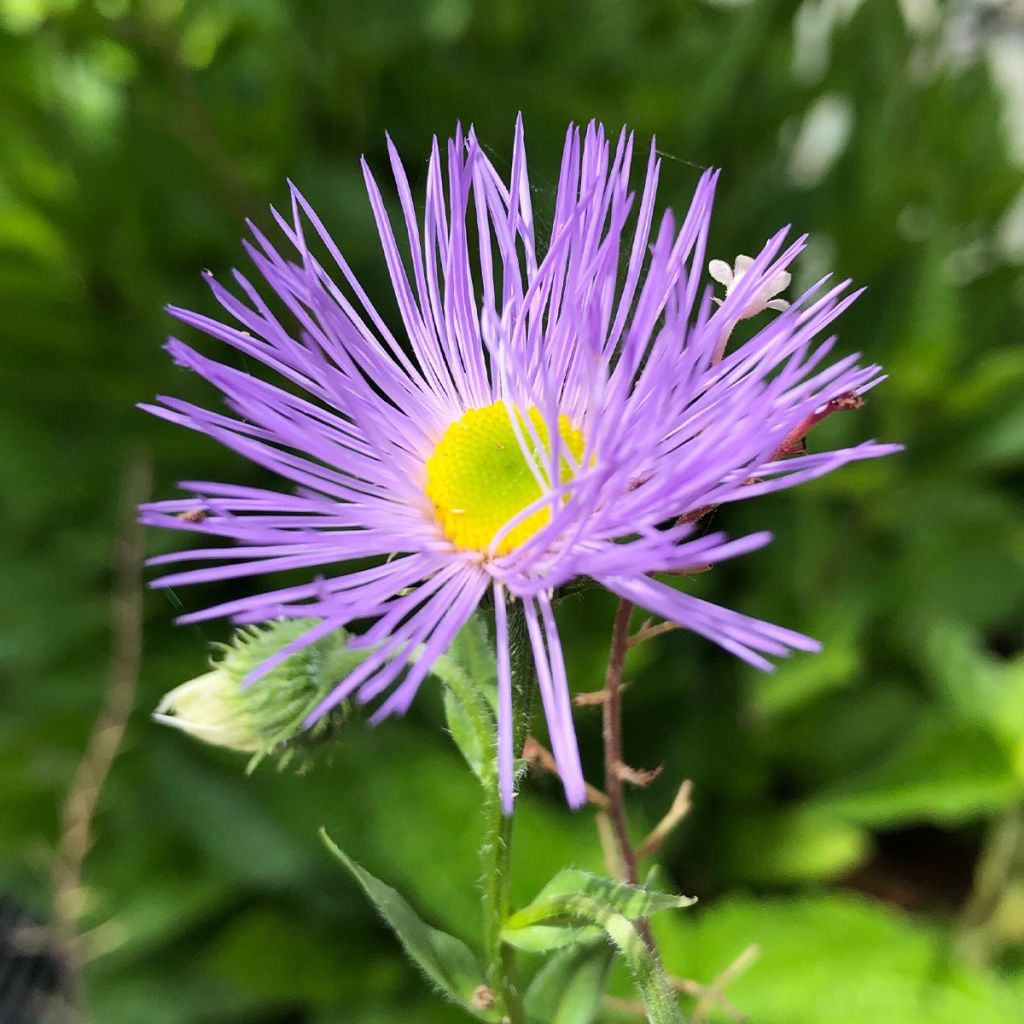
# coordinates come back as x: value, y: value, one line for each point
x: 496, y: 856
x: 496, y: 850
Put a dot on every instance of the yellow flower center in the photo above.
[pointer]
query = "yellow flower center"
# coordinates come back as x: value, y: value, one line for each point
x: 478, y: 476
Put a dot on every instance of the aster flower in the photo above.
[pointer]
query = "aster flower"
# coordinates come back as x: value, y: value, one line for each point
x: 541, y: 410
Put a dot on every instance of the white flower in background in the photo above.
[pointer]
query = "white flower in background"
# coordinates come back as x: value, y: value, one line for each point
x: 762, y: 299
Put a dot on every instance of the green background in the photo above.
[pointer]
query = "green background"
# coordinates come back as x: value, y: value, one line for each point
x: 844, y: 808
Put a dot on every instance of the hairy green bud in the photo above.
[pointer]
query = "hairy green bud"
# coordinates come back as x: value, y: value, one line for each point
x: 266, y: 718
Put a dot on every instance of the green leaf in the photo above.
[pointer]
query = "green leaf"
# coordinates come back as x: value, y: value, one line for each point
x: 530, y: 927
x: 979, y: 687
x: 445, y: 960
x: 468, y: 672
x: 474, y: 651
x: 838, y: 958
x: 647, y: 973
x: 568, y: 988
x: 791, y: 845
x: 545, y: 938
x: 944, y: 770
x: 464, y: 727
x: 575, y: 906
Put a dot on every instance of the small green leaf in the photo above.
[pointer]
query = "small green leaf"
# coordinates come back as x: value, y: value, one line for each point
x: 474, y: 651
x: 631, y: 901
x: 568, y: 988
x: 445, y: 960
x: 468, y: 673
x: 575, y: 906
x: 647, y: 972
x: 462, y: 725
x: 545, y: 938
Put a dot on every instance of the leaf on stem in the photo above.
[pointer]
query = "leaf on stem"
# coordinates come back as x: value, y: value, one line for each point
x: 568, y: 988
x: 631, y: 901
x: 446, y: 961
x: 469, y: 675
x: 575, y: 907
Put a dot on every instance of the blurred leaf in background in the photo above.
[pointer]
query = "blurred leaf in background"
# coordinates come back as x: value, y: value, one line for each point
x: 851, y: 812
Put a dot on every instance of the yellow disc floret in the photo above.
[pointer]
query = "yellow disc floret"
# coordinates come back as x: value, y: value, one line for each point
x: 478, y: 476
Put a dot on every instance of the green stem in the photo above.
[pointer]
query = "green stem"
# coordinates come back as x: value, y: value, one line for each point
x: 496, y: 850
x: 1000, y: 863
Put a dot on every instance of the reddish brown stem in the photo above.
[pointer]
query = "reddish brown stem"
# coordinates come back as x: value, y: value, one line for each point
x: 612, y: 732
x: 536, y: 753
x: 793, y: 445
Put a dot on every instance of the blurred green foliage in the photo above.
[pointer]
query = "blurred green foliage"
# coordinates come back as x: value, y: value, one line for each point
x: 858, y: 815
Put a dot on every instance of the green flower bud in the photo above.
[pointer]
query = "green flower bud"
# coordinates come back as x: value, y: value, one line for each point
x: 265, y: 718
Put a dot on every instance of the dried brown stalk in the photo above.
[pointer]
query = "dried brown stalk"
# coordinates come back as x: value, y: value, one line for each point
x: 108, y: 730
x: 675, y: 814
x: 536, y: 753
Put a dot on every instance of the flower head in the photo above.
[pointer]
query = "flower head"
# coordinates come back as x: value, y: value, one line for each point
x: 539, y: 414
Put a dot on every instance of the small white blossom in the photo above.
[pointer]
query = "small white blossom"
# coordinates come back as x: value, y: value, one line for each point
x: 761, y: 300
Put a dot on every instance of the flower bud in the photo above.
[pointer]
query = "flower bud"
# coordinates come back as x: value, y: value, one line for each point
x: 266, y: 717
x: 210, y: 708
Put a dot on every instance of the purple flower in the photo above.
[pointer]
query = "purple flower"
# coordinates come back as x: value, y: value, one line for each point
x: 543, y: 409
